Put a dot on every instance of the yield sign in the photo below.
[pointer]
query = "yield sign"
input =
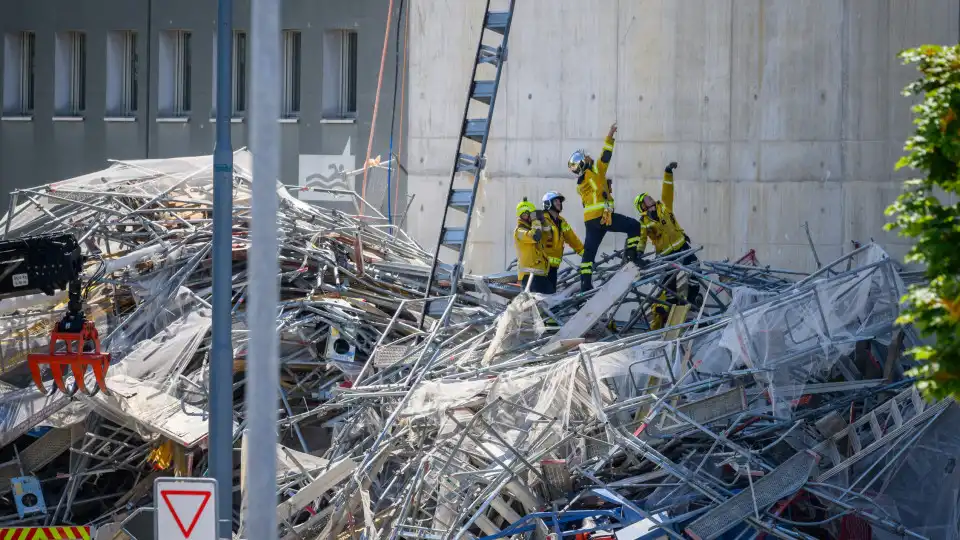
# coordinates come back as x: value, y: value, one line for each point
x: 187, y: 504
x: 186, y: 508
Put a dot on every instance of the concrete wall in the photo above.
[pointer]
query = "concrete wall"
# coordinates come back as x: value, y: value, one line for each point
x: 43, y: 150
x: 779, y: 112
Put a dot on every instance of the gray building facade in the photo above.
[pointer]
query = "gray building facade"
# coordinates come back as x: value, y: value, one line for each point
x: 87, y: 81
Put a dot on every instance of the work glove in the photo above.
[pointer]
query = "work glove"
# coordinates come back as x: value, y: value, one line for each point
x: 607, y: 217
x: 539, y: 225
x: 671, y: 167
x: 537, y: 233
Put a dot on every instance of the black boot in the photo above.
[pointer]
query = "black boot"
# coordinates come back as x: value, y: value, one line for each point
x: 693, y: 295
x: 586, y: 282
x: 630, y: 255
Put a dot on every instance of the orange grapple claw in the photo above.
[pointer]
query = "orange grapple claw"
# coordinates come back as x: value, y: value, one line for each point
x: 76, y: 358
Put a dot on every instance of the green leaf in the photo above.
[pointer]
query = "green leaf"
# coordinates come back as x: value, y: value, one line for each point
x: 934, y: 152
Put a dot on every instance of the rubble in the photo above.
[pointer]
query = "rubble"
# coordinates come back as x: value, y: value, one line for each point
x: 778, y: 406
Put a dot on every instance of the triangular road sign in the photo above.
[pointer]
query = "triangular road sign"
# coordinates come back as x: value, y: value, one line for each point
x: 189, y: 507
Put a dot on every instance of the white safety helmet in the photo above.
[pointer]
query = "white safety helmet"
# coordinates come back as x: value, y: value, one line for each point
x: 549, y: 197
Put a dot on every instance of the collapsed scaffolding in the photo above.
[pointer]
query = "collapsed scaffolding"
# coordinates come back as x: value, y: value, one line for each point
x: 778, y: 407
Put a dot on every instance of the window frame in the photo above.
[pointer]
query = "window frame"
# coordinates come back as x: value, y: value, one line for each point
x: 123, y: 62
x: 70, y: 76
x: 348, y: 73
x: 340, y: 74
x: 178, y: 73
x: 239, y: 85
x: 19, y: 74
x: 292, y: 73
x: 214, y: 82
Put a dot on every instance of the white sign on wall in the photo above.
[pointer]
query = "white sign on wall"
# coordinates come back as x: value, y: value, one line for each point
x: 326, y: 171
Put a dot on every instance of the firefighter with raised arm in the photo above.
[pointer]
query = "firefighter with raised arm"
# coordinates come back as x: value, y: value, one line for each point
x: 558, y: 234
x: 532, y: 263
x: 660, y: 225
x: 596, y: 194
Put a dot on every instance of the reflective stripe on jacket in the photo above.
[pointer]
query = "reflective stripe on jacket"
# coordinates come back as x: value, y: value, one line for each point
x: 665, y: 233
x: 559, y: 233
x: 594, y: 188
x: 530, y: 256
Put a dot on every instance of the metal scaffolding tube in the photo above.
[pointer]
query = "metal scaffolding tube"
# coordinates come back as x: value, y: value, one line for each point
x: 263, y: 368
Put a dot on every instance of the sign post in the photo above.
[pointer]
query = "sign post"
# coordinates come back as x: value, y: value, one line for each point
x: 221, y: 351
x: 186, y: 508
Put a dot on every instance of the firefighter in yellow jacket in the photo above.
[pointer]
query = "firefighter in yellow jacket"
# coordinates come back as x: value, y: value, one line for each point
x: 660, y: 225
x: 596, y: 194
x: 532, y: 263
x: 558, y: 234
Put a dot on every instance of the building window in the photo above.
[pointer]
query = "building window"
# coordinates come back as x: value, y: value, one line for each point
x: 19, y: 52
x: 291, y: 73
x: 239, y: 72
x: 173, y: 92
x: 214, y: 75
x: 340, y: 74
x: 70, y: 92
x: 122, y: 71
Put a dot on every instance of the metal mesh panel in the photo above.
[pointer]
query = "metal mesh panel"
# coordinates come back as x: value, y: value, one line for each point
x: 782, y: 481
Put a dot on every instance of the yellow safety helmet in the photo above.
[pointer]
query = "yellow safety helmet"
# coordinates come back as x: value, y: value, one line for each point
x: 638, y: 202
x: 525, y: 206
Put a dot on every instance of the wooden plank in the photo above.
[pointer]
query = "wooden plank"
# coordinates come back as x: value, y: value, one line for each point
x: 326, y: 480
x: 678, y: 315
x: 594, y: 309
x: 893, y: 354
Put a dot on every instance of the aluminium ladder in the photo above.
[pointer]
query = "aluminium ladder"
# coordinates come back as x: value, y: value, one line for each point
x: 470, y: 159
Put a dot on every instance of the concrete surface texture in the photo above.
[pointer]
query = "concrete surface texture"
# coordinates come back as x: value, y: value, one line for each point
x: 779, y: 112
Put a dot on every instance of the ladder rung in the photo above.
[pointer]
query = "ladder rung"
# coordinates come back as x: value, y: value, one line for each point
x: 469, y: 163
x: 875, y: 427
x: 435, y: 308
x: 490, y: 55
x: 497, y: 21
x: 461, y: 199
x: 918, y: 403
x: 442, y: 271
x: 483, y: 91
x: 833, y: 453
x: 855, y: 443
x: 475, y: 129
x: 452, y: 237
x: 896, y: 416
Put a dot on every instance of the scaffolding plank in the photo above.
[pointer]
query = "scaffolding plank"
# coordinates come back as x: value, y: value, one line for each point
x: 595, y: 308
x: 785, y: 480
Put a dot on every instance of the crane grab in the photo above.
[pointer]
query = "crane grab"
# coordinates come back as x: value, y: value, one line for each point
x: 46, y: 264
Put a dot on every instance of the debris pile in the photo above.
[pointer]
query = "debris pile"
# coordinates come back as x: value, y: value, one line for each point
x: 778, y: 405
